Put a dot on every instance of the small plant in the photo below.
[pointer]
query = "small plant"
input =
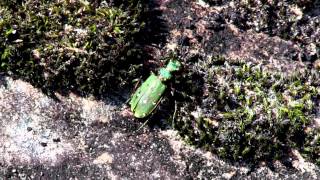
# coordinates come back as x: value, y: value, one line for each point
x: 84, y: 46
x: 290, y: 20
x: 249, y: 113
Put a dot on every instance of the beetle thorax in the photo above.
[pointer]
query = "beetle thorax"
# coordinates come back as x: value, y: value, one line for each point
x: 164, y: 74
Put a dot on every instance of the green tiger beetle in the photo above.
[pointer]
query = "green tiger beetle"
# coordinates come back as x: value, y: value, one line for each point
x: 147, y: 97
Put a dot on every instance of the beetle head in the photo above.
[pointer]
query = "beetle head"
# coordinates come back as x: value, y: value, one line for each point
x: 173, y: 65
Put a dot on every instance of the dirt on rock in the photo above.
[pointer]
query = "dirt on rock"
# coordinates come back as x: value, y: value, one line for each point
x: 76, y: 137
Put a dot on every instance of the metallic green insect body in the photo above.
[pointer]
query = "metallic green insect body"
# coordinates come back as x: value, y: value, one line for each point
x: 149, y: 94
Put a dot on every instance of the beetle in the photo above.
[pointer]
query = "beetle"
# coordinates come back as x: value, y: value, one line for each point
x: 147, y: 97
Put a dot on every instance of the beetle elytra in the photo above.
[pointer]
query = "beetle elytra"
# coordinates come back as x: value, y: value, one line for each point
x: 149, y: 94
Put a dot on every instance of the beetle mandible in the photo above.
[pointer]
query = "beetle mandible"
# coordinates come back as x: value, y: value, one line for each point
x: 149, y: 94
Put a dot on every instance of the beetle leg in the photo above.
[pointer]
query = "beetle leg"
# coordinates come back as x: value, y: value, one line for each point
x: 136, y: 86
x: 185, y: 95
x: 144, y: 124
x: 125, y: 112
x: 172, y: 90
x: 174, y: 113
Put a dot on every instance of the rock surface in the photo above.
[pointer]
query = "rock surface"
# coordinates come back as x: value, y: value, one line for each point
x: 84, y: 138
x: 81, y: 137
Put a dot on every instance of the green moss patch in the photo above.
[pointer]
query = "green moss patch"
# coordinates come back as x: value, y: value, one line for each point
x: 87, y: 46
x: 248, y: 113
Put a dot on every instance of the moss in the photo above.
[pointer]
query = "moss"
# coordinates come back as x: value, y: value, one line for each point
x: 246, y: 112
x: 296, y: 21
x: 86, y: 46
x: 311, y: 148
